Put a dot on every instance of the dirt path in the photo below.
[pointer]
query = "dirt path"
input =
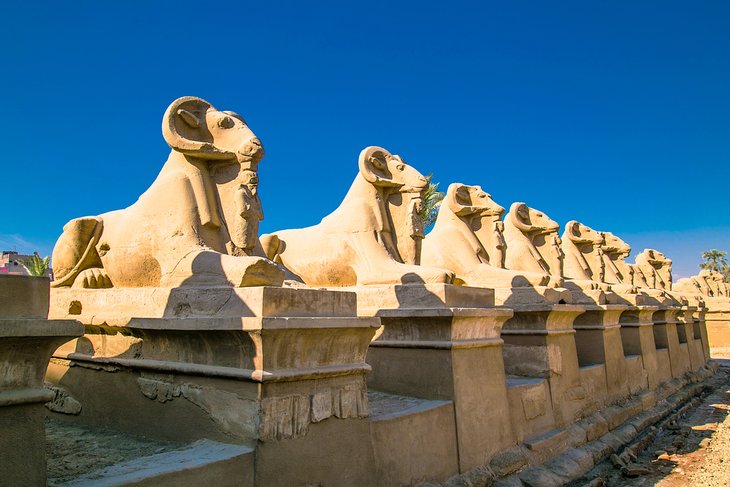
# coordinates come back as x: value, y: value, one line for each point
x: 694, y: 451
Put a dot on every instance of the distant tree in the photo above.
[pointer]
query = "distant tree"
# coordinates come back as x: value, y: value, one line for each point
x: 431, y: 202
x: 36, y: 265
x: 715, y: 260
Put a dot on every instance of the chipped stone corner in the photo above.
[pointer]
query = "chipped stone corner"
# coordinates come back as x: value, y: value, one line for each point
x: 158, y: 390
x: 233, y: 415
x: 63, y: 402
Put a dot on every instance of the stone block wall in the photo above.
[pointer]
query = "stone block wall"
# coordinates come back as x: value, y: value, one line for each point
x: 444, y: 382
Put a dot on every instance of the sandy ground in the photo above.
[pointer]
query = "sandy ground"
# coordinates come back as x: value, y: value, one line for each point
x: 694, y: 451
x: 74, y: 450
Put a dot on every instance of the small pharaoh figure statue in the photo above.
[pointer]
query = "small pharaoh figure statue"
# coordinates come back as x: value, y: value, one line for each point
x: 411, y: 251
x: 556, y: 255
x: 600, y: 265
x: 248, y: 212
x: 500, y: 246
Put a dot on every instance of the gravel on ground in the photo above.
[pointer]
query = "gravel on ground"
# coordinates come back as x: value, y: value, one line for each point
x: 692, y: 451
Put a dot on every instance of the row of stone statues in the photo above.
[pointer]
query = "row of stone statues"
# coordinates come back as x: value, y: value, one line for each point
x: 197, y: 225
x: 706, y: 283
x: 526, y: 249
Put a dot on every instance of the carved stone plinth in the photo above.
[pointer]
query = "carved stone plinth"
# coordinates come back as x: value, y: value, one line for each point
x: 637, y: 337
x: 677, y: 342
x: 278, y: 369
x: 539, y: 342
x: 27, y: 340
x: 701, y: 325
x: 631, y: 299
x: 587, y: 296
x: 446, y: 349
x: 717, y: 319
x: 685, y: 334
x: 537, y: 295
x: 598, y: 343
x: 672, y: 359
x: 116, y: 306
x: 372, y: 299
x: 657, y: 297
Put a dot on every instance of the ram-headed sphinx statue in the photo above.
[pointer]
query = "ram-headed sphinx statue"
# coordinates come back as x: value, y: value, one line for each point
x: 196, y: 225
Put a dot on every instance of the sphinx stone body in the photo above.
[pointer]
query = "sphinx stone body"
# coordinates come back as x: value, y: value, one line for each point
x: 196, y: 225
x: 584, y: 264
x: 374, y: 237
x: 638, y: 278
x: 617, y: 271
x: 702, y: 281
x: 615, y: 252
x: 713, y: 283
x: 706, y: 283
x: 468, y: 239
x: 656, y: 268
x: 722, y: 287
x: 532, y: 243
x: 691, y: 285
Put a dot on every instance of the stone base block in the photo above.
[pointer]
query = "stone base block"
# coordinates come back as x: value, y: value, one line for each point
x: 372, y: 299
x: 116, y: 306
x: 530, y: 407
x: 334, y: 452
x: 414, y: 440
x: 525, y: 296
x: 22, y: 445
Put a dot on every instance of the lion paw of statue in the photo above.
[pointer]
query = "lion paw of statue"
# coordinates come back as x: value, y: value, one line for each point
x: 94, y: 278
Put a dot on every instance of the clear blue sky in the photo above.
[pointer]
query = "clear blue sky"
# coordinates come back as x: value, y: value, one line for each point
x: 616, y: 114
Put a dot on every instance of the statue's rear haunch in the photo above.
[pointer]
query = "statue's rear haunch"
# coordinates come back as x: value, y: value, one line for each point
x: 197, y: 224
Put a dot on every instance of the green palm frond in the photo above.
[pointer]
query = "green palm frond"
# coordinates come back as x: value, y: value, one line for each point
x: 36, y: 265
x: 432, y: 198
x: 715, y: 260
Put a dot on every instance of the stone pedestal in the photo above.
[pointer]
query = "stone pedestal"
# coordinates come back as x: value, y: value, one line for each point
x: 637, y: 337
x: 598, y: 342
x: 587, y: 296
x: 678, y: 352
x: 632, y: 299
x: 27, y: 340
x: 278, y: 369
x: 694, y: 338
x: 661, y: 342
x: 371, y: 300
x: 539, y: 342
x: 656, y: 297
x: 525, y: 296
x: 701, y: 327
x: 686, y: 333
x: 718, y: 322
x: 442, y: 345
